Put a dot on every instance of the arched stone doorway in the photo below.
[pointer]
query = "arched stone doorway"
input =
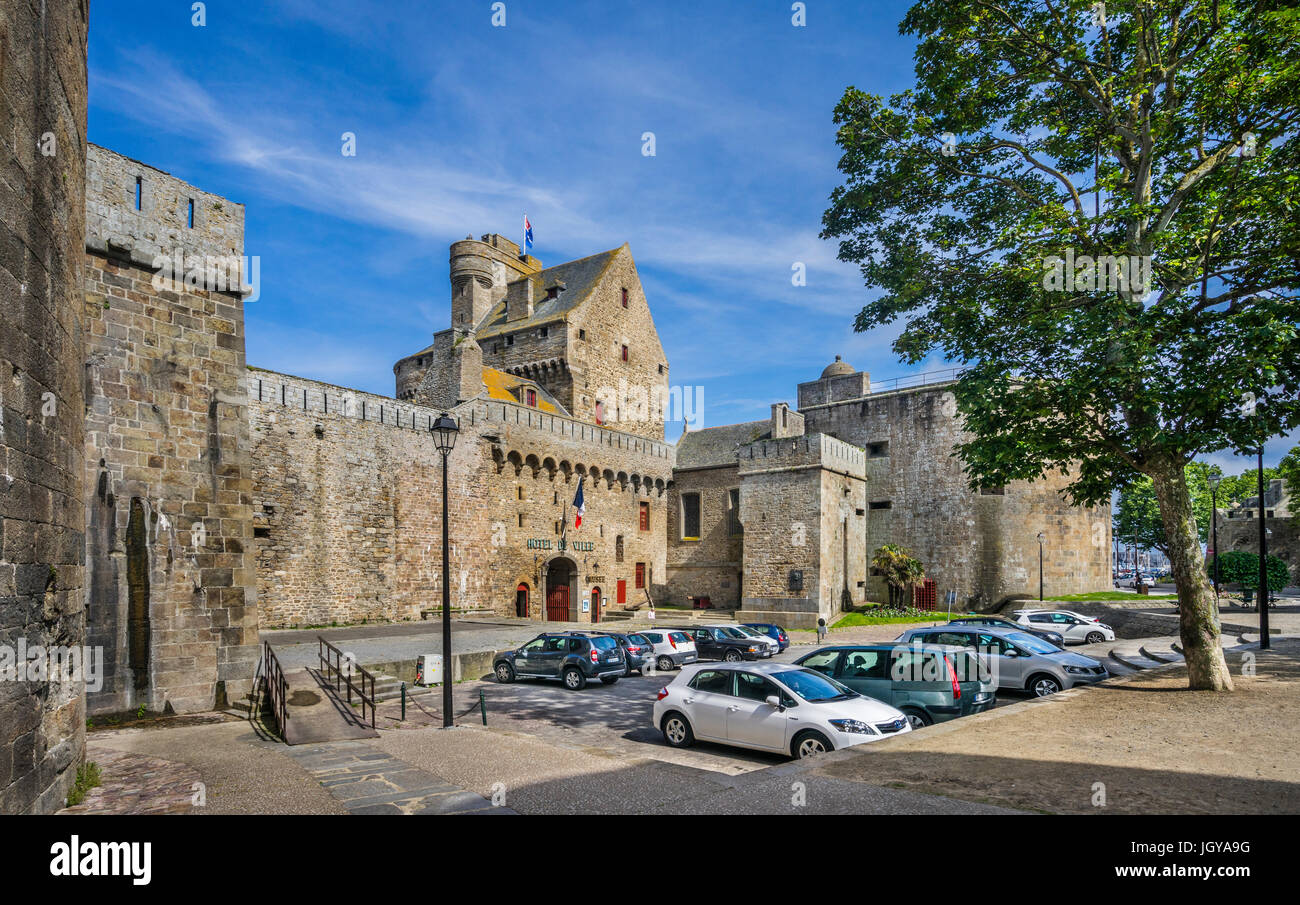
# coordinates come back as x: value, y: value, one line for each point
x: 561, y: 585
x: 521, y: 600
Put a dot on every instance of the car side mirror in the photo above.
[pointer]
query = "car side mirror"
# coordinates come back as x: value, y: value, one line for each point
x: 773, y: 701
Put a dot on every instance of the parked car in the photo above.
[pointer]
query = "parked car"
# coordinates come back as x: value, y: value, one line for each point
x: 929, y: 683
x: 1018, y: 659
x: 637, y: 650
x: 775, y: 632
x: 773, y: 646
x: 1050, y: 637
x: 723, y: 642
x: 572, y: 657
x: 770, y: 707
x: 1073, y: 627
x: 672, y: 648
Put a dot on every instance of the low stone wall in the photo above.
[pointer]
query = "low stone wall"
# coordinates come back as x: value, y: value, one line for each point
x: 466, y: 667
x: 1126, y: 619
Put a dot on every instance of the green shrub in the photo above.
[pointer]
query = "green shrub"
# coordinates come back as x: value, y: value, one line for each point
x: 1239, y: 566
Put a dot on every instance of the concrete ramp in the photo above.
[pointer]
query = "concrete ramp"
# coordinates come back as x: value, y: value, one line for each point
x: 317, y: 713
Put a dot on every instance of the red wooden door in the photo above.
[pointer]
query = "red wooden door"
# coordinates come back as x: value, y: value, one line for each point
x: 622, y: 591
x: 557, y: 603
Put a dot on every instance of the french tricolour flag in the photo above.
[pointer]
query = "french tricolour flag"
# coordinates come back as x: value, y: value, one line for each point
x: 579, y: 505
x: 528, y: 234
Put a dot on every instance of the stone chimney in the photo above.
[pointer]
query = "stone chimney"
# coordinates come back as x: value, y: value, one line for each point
x: 519, y: 300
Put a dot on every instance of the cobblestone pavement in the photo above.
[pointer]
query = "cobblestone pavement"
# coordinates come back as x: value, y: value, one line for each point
x: 369, y: 781
x: 136, y: 784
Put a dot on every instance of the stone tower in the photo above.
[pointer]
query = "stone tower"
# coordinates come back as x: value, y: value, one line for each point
x: 43, y: 89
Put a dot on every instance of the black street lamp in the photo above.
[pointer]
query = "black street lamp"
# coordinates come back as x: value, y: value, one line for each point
x: 1263, y: 560
x: 1213, y: 479
x: 444, y: 432
x: 1041, y: 538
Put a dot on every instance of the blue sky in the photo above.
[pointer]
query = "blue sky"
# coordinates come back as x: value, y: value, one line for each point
x: 461, y: 127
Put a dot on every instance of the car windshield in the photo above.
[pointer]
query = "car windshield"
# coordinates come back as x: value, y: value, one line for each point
x: 604, y: 642
x: 638, y: 639
x: 814, y: 687
x: 1032, y: 644
x: 734, y: 633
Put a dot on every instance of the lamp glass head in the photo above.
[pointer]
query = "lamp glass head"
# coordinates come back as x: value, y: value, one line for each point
x: 444, y: 432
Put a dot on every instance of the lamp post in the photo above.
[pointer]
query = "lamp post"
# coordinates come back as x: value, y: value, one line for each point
x: 1041, y: 538
x: 1263, y: 560
x: 1213, y: 479
x: 444, y: 432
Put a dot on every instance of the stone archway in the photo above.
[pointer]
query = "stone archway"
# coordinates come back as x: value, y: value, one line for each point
x: 561, y: 590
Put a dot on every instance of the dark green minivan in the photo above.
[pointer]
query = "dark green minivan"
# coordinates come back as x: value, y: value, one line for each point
x: 930, y: 682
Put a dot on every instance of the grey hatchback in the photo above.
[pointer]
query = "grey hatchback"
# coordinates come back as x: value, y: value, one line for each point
x: 1017, y: 659
x: 930, y: 683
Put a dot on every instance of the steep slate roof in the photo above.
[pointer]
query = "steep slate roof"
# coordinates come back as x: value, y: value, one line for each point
x: 717, y: 445
x: 579, y: 277
x: 502, y: 386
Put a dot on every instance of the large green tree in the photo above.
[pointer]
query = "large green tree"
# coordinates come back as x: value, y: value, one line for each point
x: 1039, y: 135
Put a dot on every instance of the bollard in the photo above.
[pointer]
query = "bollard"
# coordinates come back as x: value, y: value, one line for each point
x: 482, y: 706
x: 403, y: 701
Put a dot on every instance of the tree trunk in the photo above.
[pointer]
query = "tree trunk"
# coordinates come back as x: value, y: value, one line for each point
x: 1198, y: 611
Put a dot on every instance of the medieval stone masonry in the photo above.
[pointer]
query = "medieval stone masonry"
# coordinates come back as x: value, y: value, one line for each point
x: 42, y: 186
x: 208, y: 499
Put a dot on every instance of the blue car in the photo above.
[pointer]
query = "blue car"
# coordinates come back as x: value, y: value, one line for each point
x: 775, y: 632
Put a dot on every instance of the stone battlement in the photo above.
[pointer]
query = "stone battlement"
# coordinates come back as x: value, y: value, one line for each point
x: 808, y: 451
x: 270, y: 388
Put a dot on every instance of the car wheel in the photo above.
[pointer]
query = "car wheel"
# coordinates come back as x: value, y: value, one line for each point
x: 665, y: 664
x: 609, y: 680
x: 505, y: 673
x: 810, y: 743
x: 1095, y: 638
x: 918, y: 719
x: 677, y: 731
x: 574, y: 680
x: 732, y: 656
x: 1043, y: 685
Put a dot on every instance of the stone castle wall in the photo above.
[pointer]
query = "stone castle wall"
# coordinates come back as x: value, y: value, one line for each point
x: 42, y: 186
x: 171, y: 584
x: 981, y: 544
x: 348, y: 506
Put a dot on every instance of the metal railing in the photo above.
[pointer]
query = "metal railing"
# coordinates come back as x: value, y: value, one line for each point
x: 277, y: 687
x: 345, y: 681
x: 947, y: 375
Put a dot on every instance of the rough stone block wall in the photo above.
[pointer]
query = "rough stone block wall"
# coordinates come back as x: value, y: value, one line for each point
x: 171, y: 584
x: 711, y: 566
x: 42, y: 188
x: 981, y: 545
x: 349, y: 519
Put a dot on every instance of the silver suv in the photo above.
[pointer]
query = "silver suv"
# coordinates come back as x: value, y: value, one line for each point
x: 1017, y: 659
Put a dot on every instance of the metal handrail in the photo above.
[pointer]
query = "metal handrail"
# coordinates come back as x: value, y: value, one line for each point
x: 277, y: 687
x: 331, y: 660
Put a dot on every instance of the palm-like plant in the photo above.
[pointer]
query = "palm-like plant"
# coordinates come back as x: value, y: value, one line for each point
x: 900, y: 568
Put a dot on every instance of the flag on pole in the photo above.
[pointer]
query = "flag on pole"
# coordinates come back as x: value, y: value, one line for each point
x: 578, y: 504
x: 528, y: 234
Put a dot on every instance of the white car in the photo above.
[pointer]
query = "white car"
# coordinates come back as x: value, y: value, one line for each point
x: 771, y: 643
x: 1073, y: 627
x: 770, y: 707
x: 672, y: 648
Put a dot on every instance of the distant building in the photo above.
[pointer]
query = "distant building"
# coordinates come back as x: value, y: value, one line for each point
x: 1239, y: 526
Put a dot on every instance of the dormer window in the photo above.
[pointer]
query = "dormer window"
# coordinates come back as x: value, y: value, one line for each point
x: 531, y: 396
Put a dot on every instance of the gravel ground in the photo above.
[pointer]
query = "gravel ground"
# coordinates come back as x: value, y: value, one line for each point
x: 1155, y: 746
